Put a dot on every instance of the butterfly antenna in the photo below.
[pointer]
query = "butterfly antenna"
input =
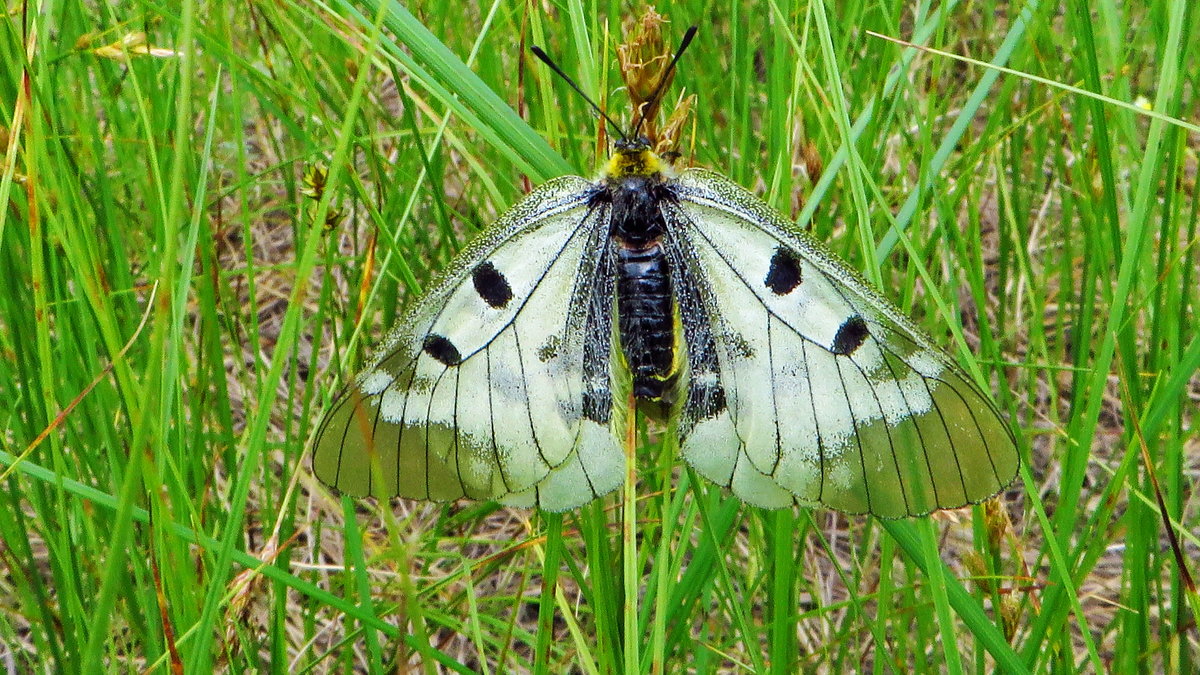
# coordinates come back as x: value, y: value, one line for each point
x: 537, y: 51
x: 666, y: 76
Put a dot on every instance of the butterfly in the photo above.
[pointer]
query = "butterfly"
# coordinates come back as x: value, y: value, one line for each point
x: 783, y: 375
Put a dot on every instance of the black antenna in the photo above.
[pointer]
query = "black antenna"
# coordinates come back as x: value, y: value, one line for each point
x: 666, y: 76
x: 537, y: 51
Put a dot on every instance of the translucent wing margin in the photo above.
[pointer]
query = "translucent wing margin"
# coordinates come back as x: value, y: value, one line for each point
x: 814, y: 389
x: 495, y: 384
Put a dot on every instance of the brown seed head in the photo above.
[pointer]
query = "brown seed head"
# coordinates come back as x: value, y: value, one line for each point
x: 644, y: 59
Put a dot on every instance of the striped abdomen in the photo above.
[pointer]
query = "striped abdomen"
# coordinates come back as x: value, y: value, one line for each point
x: 646, y: 318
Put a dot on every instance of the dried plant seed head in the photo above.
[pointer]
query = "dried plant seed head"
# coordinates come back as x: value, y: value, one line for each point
x: 667, y: 143
x: 645, y: 60
x: 814, y: 164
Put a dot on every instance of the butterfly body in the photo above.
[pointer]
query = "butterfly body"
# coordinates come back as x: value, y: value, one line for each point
x: 645, y: 303
x: 784, y: 376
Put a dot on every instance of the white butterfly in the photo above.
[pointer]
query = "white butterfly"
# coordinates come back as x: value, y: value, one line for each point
x: 786, y: 378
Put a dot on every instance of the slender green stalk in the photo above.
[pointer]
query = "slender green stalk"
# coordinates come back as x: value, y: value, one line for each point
x: 631, y: 577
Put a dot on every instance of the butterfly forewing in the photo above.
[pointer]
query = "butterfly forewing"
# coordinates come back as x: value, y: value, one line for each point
x: 480, y: 392
x: 830, y: 396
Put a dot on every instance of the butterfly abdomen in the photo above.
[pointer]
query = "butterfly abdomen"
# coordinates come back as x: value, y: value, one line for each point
x: 646, y: 319
x: 645, y: 309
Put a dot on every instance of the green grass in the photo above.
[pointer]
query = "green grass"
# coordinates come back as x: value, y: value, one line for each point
x: 175, y: 312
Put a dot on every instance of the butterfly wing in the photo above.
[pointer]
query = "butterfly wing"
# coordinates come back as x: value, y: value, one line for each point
x: 809, y: 387
x: 496, y: 385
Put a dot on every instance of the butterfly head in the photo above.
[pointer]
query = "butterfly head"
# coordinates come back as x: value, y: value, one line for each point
x: 635, y: 155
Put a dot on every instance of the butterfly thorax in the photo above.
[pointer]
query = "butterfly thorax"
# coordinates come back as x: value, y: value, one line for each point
x: 634, y: 186
x: 634, y: 190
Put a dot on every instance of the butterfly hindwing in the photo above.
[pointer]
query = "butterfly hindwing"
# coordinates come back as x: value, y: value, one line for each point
x: 827, y: 394
x: 481, y: 390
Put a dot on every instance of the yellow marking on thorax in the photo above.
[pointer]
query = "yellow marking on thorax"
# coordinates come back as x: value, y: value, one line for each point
x: 630, y: 163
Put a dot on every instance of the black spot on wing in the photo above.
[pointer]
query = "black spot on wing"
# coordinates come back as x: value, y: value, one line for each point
x: 850, y: 336
x: 491, y: 285
x: 442, y: 350
x: 784, y: 275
